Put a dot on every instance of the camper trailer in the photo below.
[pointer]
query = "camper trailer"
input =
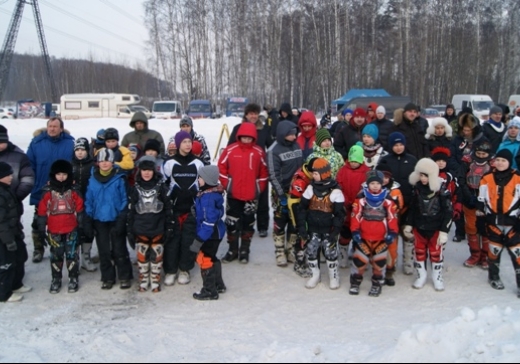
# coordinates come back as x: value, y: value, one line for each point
x: 80, y: 106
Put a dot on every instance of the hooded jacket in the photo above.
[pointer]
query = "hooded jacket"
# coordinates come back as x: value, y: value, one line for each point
x: 416, y: 143
x: 209, y: 208
x: 243, y: 167
x: 350, y: 181
x: 141, y: 137
x: 264, y: 139
x: 461, y: 147
x: 23, y: 174
x: 306, y: 139
x: 330, y: 155
x: 42, y: 153
x: 284, y: 158
x: 347, y: 137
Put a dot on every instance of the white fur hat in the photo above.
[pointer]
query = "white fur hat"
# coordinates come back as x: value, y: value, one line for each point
x: 428, y: 167
x: 439, y: 121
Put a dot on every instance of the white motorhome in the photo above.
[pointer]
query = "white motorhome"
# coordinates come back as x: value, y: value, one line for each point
x: 79, y: 106
x: 513, y: 103
x: 481, y: 104
x: 166, y: 110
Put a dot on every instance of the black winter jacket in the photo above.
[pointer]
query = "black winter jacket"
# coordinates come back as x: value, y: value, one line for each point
x: 82, y: 170
x: 402, y: 166
x: 415, y: 136
x: 385, y: 127
x: 347, y: 137
x: 9, y: 216
x: 23, y: 174
x: 264, y: 139
x: 494, y: 135
x: 428, y: 213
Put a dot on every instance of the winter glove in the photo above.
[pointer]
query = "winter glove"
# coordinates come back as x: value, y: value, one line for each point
x: 196, y: 245
x: 443, y: 239
x: 88, y: 227
x: 356, y: 236
x: 408, y: 233
x: 251, y: 207
x: 389, y: 239
x: 53, y: 243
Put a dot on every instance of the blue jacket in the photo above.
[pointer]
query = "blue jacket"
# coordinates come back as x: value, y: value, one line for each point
x: 43, y: 152
x: 513, y: 147
x: 209, y: 207
x: 106, y: 197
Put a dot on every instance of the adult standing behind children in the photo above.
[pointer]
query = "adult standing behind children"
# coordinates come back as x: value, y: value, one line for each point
x: 21, y: 186
x: 141, y: 133
x: 48, y: 145
x: 407, y: 122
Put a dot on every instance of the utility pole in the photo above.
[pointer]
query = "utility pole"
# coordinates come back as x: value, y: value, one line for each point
x: 7, y: 52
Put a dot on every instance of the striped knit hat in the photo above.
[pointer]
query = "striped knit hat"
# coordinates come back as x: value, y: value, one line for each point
x: 322, y: 166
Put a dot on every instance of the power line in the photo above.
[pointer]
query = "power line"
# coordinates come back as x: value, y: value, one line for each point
x: 121, y: 11
x: 90, y: 24
x: 67, y: 35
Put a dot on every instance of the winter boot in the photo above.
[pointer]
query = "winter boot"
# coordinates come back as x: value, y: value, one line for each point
x: 290, y: 252
x: 38, y: 247
x: 209, y: 286
x: 494, y: 274
x: 169, y: 279
x: 86, y: 262
x: 232, y: 253
x: 73, y: 285
x: 484, y: 254
x: 55, y: 285
x: 389, y: 277
x: 333, y: 274
x: 279, y: 250
x: 408, y: 251
x: 376, y: 288
x: 420, y: 275
x: 300, y: 266
x: 355, y: 283
x: 144, y: 276
x: 438, y: 281
x: 245, y: 245
x: 474, y: 249
x: 315, y: 278
x: 343, y: 255
x: 221, y: 287
x: 107, y: 285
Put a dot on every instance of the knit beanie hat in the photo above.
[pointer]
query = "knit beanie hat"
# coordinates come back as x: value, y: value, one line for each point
x: 347, y: 111
x: 186, y: 120
x: 4, y: 137
x: 60, y: 166
x: 105, y: 155
x: 321, y: 136
x: 483, y: 146
x: 371, y: 130
x: 505, y: 154
x: 5, y: 170
x: 411, y: 107
x: 111, y: 134
x: 322, y: 166
x: 360, y: 112
x: 210, y: 174
x: 396, y: 138
x: 152, y: 144
x: 515, y: 122
x: 100, y: 137
x: 196, y: 148
x: 356, y: 154
x: 252, y: 108
x: 495, y: 110
x: 134, y: 148
x: 381, y: 109
x: 81, y: 143
x: 375, y: 176
x: 171, y: 143
x: 441, y: 154
x: 146, y: 163
x: 180, y: 136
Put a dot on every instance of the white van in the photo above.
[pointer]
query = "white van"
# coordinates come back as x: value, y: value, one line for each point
x: 481, y: 104
x: 166, y: 110
x: 513, y: 103
x: 79, y: 106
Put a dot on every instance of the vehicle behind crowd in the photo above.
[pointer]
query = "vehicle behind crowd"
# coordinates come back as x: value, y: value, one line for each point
x: 166, y: 110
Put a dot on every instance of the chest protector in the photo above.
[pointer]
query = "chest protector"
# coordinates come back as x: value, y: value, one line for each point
x: 61, y: 204
x: 429, y: 206
x: 322, y: 204
x: 374, y: 213
x: 148, y: 202
x: 475, y: 174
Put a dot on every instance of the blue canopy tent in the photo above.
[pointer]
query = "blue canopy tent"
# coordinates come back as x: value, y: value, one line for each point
x: 355, y: 92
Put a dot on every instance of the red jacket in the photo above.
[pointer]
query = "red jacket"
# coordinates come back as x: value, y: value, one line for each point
x: 243, y: 167
x: 306, y: 139
x: 65, y: 222
x: 374, y: 230
x: 350, y: 181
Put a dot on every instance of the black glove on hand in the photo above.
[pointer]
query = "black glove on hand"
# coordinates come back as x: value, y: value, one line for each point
x: 196, y: 245
x: 250, y: 207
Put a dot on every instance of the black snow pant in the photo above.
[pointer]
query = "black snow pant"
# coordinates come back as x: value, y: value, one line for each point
x: 177, y: 253
x: 262, y: 215
x: 7, y: 272
x: 21, y: 258
x: 113, y: 253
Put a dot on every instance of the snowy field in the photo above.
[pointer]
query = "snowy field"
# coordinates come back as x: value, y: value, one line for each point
x: 266, y: 315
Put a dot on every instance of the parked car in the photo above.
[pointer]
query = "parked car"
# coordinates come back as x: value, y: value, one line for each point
x: 430, y: 113
x: 144, y: 110
x: 6, y: 113
x: 440, y: 108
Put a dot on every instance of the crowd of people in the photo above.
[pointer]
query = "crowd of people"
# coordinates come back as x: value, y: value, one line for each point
x: 350, y: 191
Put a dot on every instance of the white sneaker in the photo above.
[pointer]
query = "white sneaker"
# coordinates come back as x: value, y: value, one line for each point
x: 15, y: 297
x: 184, y: 277
x: 23, y: 289
x: 169, y: 280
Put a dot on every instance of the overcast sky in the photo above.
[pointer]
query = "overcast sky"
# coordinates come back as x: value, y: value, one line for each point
x: 111, y: 30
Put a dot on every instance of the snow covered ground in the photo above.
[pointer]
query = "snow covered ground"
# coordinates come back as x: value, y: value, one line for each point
x: 267, y: 315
